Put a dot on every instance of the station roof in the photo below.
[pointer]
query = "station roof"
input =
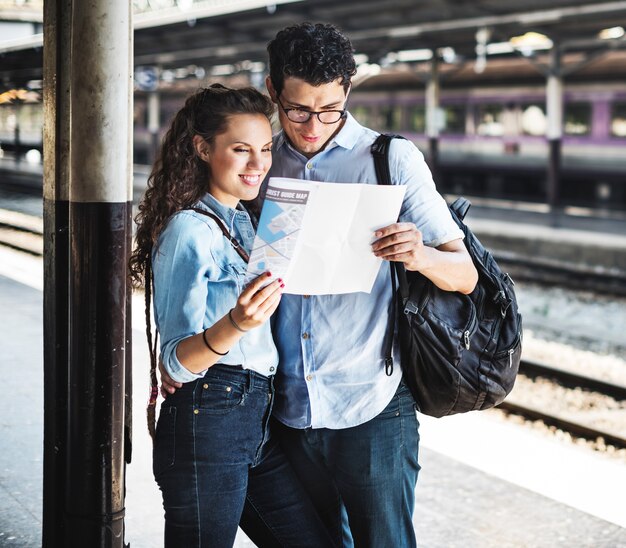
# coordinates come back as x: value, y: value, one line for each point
x: 222, y: 37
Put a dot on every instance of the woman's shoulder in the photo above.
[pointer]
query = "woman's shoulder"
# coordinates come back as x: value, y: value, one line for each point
x: 187, y: 227
x: 190, y: 220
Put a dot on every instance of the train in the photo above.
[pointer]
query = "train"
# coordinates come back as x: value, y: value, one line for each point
x: 491, y: 130
x: 492, y: 140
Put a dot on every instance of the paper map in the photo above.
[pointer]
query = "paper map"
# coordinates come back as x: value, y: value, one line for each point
x: 317, y: 236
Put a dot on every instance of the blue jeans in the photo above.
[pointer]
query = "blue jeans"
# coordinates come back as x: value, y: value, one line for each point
x: 366, y: 473
x: 213, y: 455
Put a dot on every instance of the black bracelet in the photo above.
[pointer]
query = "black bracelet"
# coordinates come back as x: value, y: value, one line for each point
x: 210, y: 347
x: 232, y: 321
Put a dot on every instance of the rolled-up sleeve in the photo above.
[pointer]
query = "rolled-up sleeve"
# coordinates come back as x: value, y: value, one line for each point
x: 423, y: 205
x: 180, y: 265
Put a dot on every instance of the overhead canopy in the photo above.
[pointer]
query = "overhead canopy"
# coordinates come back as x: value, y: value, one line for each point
x: 376, y: 28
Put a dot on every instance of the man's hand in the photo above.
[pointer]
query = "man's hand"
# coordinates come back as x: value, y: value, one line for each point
x: 449, y: 266
x: 168, y: 385
x: 402, y: 242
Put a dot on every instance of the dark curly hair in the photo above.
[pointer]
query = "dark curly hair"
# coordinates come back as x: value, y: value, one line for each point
x: 179, y: 178
x: 317, y: 53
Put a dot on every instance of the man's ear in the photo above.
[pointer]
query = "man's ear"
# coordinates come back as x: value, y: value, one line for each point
x: 270, y: 89
x: 202, y: 147
x: 349, y: 90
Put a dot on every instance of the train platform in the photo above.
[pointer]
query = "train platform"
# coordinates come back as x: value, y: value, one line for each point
x: 485, y: 482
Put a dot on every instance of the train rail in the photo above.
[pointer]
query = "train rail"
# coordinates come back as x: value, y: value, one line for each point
x: 546, y: 272
x: 552, y: 417
x: 25, y: 233
x: 21, y: 232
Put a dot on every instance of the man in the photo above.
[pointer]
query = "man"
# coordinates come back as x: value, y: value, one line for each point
x: 350, y: 429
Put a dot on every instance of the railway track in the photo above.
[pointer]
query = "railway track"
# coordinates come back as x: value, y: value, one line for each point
x: 25, y: 233
x: 544, y: 271
x: 21, y: 232
x: 548, y: 415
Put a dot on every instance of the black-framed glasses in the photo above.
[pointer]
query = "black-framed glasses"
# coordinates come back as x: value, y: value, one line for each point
x: 301, y: 116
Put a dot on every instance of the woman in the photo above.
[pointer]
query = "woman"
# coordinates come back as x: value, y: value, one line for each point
x: 212, y: 452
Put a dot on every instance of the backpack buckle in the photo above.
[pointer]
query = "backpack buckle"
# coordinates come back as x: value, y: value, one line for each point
x: 389, y: 366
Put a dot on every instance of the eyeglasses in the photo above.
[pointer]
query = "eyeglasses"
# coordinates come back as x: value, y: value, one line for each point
x: 300, y: 116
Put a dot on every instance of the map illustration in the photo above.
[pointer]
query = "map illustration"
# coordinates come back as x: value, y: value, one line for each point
x: 278, y: 231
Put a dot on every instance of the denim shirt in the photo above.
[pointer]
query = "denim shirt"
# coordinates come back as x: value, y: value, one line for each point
x: 332, y: 372
x: 198, y: 277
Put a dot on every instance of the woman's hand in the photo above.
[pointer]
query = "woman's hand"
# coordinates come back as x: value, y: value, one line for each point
x: 254, y: 306
x: 257, y: 303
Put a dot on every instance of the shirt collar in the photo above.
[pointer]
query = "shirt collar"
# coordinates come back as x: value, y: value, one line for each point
x: 347, y: 136
x: 224, y: 212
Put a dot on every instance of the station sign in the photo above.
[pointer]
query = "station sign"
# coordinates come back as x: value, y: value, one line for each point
x: 147, y: 78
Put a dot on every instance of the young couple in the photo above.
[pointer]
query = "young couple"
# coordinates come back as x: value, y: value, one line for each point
x: 341, y: 463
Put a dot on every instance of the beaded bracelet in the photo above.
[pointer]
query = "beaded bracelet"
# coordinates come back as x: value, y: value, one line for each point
x: 210, y: 347
x: 232, y: 321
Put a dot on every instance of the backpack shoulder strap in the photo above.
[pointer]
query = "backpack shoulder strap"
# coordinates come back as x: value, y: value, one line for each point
x: 380, y: 152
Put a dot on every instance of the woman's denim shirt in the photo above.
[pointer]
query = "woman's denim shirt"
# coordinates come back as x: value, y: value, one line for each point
x: 198, y: 277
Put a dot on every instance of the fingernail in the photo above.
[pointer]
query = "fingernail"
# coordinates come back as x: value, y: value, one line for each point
x: 280, y: 280
x: 378, y: 233
x: 282, y: 285
x: 268, y: 274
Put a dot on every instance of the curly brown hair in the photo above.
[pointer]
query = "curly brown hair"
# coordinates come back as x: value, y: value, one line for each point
x: 179, y: 178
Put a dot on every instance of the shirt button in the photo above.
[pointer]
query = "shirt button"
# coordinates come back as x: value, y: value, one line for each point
x: 305, y: 336
x: 309, y: 165
x: 309, y: 377
x: 272, y: 368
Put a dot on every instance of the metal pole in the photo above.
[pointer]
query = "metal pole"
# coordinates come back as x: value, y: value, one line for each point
x: 100, y: 198
x: 154, y: 123
x: 432, y: 116
x: 554, y: 132
x: 56, y: 154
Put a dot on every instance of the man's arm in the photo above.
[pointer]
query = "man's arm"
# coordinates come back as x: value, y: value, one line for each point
x: 449, y: 266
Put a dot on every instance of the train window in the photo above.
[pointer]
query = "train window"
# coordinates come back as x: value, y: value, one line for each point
x: 391, y: 118
x: 618, y: 120
x: 8, y: 119
x: 31, y: 118
x: 534, y: 120
x: 577, y: 119
x: 454, y: 119
x: 416, y: 117
x: 361, y: 114
x: 489, y: 120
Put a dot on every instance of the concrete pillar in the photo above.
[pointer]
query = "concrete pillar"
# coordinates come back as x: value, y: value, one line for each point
x: 56, y: 179
x: 554, y: 131
x: 433, y: 114
x: 100, y: 202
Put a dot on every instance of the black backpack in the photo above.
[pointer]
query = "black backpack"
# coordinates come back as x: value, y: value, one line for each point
x: 459, y: 352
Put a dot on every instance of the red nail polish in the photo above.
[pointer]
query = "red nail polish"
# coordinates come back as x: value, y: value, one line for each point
x: 268, y: 274
x: 282, y: 285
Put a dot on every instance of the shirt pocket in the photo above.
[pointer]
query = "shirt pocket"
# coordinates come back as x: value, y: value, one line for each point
x: 237, y: 273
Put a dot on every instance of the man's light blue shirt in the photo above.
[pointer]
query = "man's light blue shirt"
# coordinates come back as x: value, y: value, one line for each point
x: 198, y: 277
x: 332, y: 372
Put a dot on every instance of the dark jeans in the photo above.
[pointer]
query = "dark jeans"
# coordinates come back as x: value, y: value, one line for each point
x: 368, y: 472
x: 213, y: 454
